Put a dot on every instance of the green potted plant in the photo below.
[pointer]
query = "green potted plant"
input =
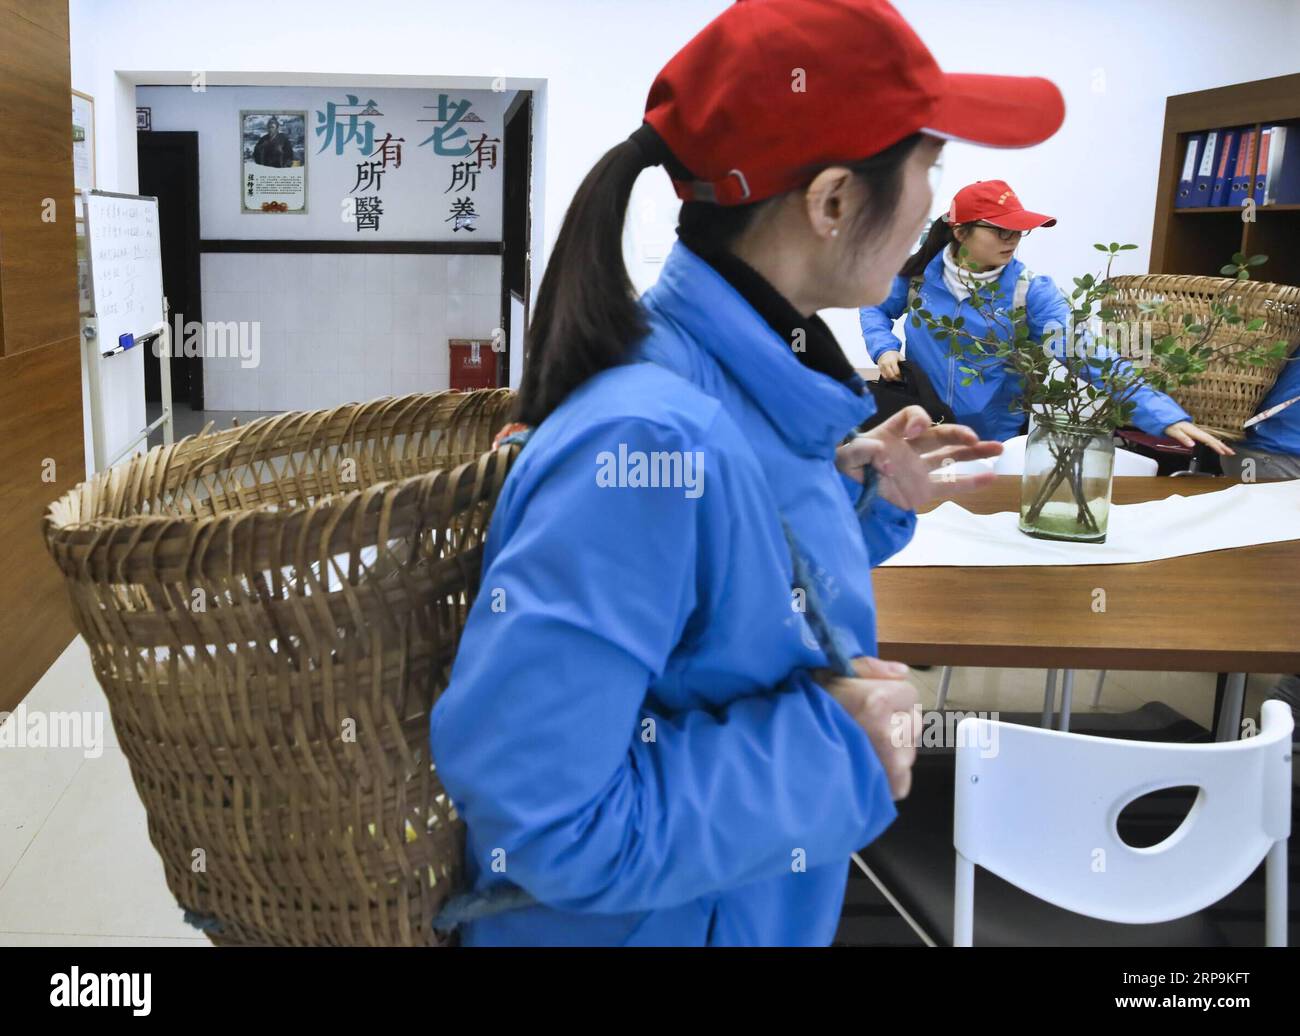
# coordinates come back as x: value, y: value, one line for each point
x: 1079, y: 382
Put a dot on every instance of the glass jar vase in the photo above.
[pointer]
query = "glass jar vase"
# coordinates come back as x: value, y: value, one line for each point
x: 1065, y: 488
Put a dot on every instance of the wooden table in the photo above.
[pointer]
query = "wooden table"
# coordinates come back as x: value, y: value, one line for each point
x: 1229, y: 611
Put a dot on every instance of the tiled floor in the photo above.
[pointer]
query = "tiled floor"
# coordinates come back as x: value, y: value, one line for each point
x: 77, y: 867
x: 76, y: 864
x: 190, y: 422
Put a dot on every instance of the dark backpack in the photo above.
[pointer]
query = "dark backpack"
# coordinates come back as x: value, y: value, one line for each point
x: 912, y: 389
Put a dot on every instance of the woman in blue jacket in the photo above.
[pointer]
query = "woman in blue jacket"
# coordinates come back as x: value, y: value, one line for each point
x: 987, y: 219
x: 1272, y: 451
x: 1272, y: 447
x: 641, y: 730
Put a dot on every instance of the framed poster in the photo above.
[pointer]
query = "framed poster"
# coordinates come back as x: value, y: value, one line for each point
x: 273, y: 156
x: 83, y: 146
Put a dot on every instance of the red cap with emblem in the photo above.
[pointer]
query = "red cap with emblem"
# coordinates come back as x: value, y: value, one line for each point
x: 772, y: 90
x: 992, y: 201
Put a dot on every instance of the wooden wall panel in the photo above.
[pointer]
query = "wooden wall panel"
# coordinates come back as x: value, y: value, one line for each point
x: 50, y: 15
x: 40, y: 359
x: 36, y: 164
x: 40, y: 420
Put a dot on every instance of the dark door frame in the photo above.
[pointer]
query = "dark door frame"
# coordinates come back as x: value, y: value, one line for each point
x: 516, y: 217
x: 183, y: 272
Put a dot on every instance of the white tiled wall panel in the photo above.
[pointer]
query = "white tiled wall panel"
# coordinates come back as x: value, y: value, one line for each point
x: 338, y: 328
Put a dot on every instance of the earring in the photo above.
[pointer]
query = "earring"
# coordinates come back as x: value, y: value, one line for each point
x: 835, y: 231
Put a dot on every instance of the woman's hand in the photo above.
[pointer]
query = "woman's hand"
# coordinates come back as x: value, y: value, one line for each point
x: 883, y: 704
x: 888, y: 364
x: 907, y: 448
x: 1189, y: 435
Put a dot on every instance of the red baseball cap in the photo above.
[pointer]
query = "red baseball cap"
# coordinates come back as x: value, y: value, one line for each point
x: 992, y: 201
x: 772, y: 90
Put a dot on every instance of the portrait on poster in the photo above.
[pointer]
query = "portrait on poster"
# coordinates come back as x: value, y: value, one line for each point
x: 274, y: 161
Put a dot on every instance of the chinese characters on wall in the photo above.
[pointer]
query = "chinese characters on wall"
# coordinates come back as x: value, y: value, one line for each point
x: 459, y: 151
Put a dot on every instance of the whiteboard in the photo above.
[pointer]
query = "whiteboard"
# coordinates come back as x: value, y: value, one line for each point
x: 123, y: 247
x: 126, y: 261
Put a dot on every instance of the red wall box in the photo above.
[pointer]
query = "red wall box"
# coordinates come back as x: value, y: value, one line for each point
x: 473, y: 363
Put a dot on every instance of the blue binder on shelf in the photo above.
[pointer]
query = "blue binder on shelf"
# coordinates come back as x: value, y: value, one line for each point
x: 1261, y: 164
x: 1204, y: 182
x: 1187, y: 180
x: 1245, y: 168
x: 1226, y: 164
x: 1282, y: 180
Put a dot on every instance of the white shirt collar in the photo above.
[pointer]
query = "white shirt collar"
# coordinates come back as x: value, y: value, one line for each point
x: 958, y: 280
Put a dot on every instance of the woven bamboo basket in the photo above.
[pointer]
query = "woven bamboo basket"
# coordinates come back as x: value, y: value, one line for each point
x: 1226, y: 395
x: 272, y: 611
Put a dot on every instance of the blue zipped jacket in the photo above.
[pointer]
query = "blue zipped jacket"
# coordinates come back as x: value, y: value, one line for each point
x: 630, y: 731
x: 1280, y: 433
x: 986, y: 405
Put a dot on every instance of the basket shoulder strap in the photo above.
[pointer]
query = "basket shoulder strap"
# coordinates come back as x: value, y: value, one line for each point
x: 913, y: 291
x: 1022, y: 289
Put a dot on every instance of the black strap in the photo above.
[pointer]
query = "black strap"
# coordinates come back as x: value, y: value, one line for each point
x: 912, y: 389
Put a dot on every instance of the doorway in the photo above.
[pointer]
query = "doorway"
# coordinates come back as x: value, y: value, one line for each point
x: 516, y: 223
x: 169, y: 170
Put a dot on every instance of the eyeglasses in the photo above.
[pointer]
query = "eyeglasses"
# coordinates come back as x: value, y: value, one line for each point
x: 1003, y: 233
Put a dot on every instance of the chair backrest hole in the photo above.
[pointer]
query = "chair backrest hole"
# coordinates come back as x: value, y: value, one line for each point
x: 1151, y: 818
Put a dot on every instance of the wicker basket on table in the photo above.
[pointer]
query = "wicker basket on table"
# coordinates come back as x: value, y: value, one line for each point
x: 272, y: 611
x: 1226, y: 395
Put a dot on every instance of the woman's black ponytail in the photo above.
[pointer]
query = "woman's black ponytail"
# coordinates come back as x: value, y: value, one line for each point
x: 587, y: 316
x: 940, y: 236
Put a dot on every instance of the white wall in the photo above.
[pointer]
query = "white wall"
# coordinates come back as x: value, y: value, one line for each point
x: 415, y: 196
x: 341, y: 328
x: 598, y: 57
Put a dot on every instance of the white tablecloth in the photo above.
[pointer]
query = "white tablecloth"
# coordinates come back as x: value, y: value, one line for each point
x: 1236, y: 517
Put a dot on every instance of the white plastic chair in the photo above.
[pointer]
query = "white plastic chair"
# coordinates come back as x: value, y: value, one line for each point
x: 1130, y: 464
x: 1011, y: 461
x: 1024, y: 815
x: 962, y: 467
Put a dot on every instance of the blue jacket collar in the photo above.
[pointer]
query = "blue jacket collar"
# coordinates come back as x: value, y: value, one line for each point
x: 809, y: 410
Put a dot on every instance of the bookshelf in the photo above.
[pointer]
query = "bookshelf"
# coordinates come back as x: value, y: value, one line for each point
x: 1201, y: 240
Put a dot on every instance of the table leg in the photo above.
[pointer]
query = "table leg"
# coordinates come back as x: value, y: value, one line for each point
x: 945, y: 678
x: 1228, y: 727
x: 1067, y: 692
x: 1049, y: 699
x: 1096, y: 691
